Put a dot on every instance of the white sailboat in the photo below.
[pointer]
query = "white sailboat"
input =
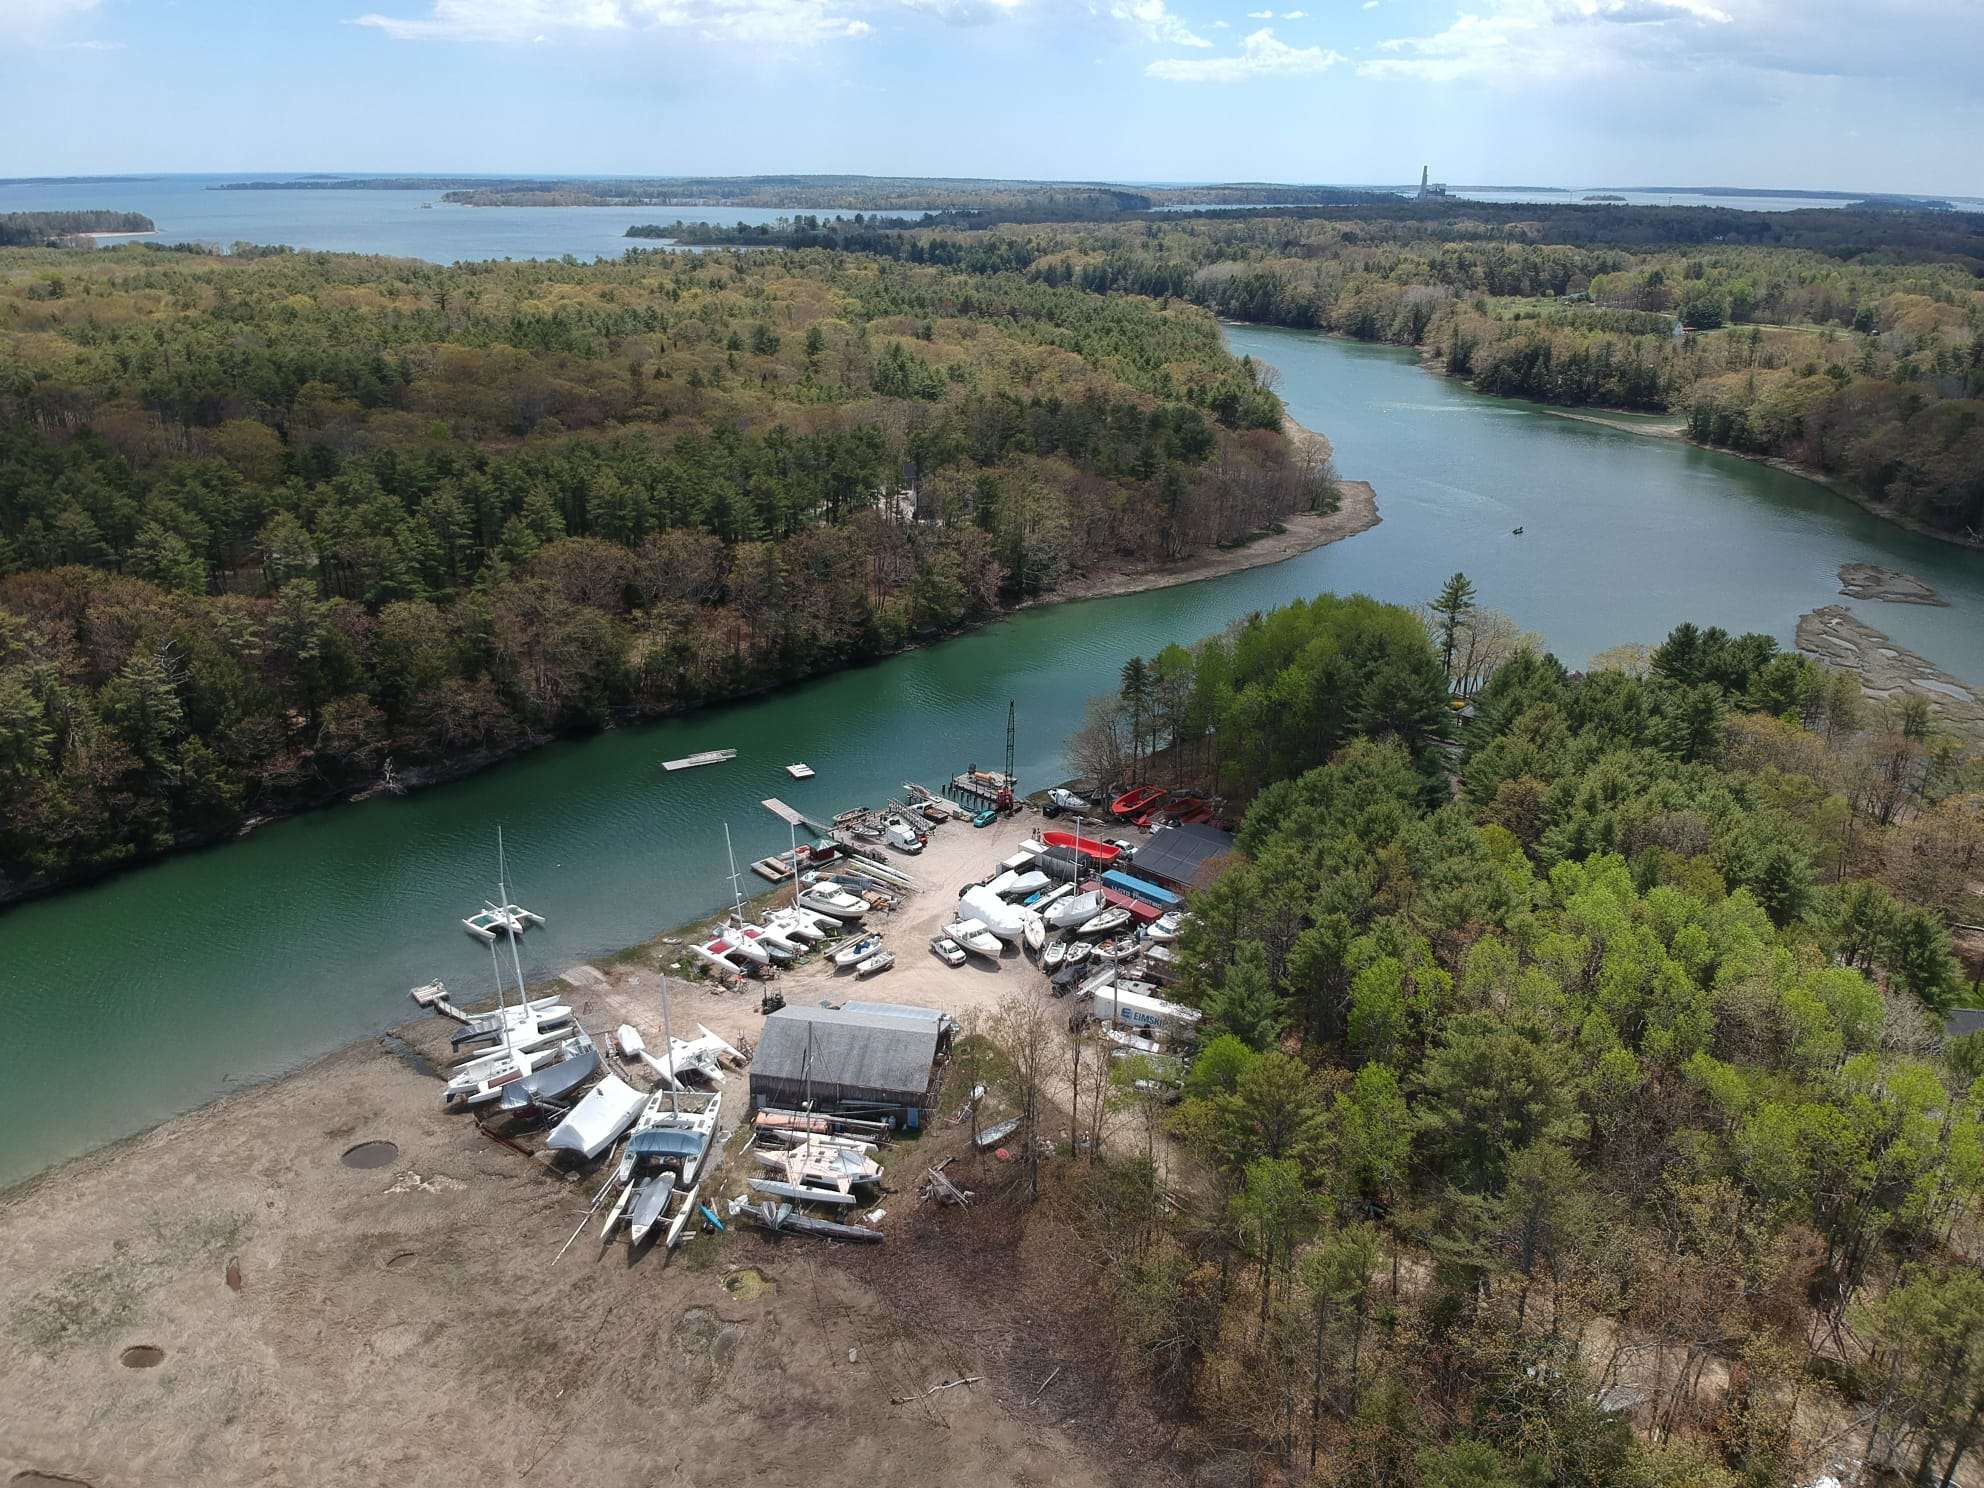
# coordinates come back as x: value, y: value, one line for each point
x: 1066, y: 914
x: 662, y: 1168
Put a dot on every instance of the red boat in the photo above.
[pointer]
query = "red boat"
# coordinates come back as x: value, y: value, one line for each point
x: 1159, y: 810
x: 1136, y: 802
x: 1192, y: 818
x: 1102, y: 852
x: 1185, y: 808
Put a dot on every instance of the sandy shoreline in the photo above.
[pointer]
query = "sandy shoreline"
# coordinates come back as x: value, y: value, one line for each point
x: 379, y: 1324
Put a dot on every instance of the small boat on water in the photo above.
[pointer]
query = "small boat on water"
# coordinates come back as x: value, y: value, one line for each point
x: 1134, y: 803
x: 859, y: 950
x: 974, y: 937
x: 880, y: 961
x: 1066, y: 914
x: 503, y: 919
x: 595, y: 1123
x: 1051, y: 957
x: 831, y: 899
x: 707, y: 757
x: 1109, y: 920
x: 1035, y: 934
x: 1093, y: 847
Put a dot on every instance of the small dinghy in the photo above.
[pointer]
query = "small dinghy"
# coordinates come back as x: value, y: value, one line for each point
x: 992, y: 1136
x: 1053, y: 955
x: 974, y: 937
x: 880, y: 961
x: 860, y: 950
x: 1109, y: 920
x: 1035, y: 933
x: 1115, y: 950
x: 596, y: 1122
x: 1078, y: 952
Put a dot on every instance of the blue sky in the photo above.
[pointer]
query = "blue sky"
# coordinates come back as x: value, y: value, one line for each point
x: 1849, y: 94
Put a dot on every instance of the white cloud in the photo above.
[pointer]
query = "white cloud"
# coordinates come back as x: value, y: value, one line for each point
x: 1295, y: 15
x: 1260, y: 15
x: 1545, y: 38
x: 1220, y: 26
x: 1370, y: 4
x: 1260, y: 56
x: 758, y: 22
x: 1155, y: 22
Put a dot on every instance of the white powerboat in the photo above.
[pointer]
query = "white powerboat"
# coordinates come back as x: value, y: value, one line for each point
x: 973, y: 936
x: 595, y: 1123
x: 831, y: 899
x: 859, y: 950
x: 880, y: 961
x: 1065, y: 914
x: 1167, y: 927
x: 1034, y: 933
x: 1022, y: 885
x: 1051, y: 957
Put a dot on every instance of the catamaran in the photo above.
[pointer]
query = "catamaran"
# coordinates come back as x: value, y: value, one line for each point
x: 662, y: 1169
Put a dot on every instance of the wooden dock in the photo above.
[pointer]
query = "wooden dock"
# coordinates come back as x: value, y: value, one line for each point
x: 982, y: 785
x: 707, y: 757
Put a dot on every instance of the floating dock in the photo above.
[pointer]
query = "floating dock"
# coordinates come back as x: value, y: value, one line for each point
x: 800, y: 772
x: 707, y: 757
x: 984, y: 785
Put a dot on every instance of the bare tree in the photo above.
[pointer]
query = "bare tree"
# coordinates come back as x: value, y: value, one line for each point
x: 1023, y: 1030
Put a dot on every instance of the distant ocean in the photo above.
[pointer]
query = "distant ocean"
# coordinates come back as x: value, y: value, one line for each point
x: 418, y: 224
x: 389, y: 222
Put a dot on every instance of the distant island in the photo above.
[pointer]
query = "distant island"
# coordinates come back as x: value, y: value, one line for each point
x: 51, y: 229
x: 1604, y: 196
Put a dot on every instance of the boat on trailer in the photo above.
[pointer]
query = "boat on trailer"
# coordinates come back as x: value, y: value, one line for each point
x: 1081, y: 842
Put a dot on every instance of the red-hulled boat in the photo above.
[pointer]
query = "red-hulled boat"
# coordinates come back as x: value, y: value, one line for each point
x: 1103, y: 852
x: 1136, y: 802
x: 1181, y: 810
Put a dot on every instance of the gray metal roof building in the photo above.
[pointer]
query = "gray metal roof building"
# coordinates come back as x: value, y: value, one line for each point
x: 845, y: 1057
x: 1177, y: 856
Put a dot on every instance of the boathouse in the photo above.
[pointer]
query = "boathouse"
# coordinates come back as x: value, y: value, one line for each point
x: 856, y: 1061
x: 1182, y: 858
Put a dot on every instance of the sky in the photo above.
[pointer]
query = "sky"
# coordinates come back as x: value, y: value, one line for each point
x: 1811, y: 94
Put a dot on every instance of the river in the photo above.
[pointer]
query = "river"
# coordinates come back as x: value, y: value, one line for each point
x: 161, y: 988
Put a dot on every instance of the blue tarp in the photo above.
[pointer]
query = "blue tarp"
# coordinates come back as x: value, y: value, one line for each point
x: 1140, y: 888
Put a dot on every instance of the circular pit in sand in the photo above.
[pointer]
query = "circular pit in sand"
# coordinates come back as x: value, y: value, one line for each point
x: 370, y: 1155
x: 142, y: 1356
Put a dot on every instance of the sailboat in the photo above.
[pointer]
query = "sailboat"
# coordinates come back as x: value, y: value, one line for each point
x: 662, y: 1168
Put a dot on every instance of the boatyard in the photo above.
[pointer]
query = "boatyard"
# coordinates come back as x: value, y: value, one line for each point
x: 290, y: 1273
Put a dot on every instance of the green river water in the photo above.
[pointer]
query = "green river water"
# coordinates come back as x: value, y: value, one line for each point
x: 161, y: 988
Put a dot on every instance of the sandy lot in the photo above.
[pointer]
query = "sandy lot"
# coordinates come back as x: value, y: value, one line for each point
x: 325, y: 1324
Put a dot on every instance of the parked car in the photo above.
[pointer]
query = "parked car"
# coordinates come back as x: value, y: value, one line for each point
x: 947, y: 951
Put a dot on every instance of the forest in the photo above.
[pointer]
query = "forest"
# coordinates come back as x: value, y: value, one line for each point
x: 1573, y: 1104
x: 272, y: 523
x: 1849, y: 342
x: 48, y: 229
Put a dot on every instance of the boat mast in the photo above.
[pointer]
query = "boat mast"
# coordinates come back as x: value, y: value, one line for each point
x: 503, y: 899
x: 736, y: 893
x: 668, y: 1043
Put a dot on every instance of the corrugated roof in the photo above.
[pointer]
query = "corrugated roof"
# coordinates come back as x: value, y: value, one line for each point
x: 871, y: 1051
x: 1178, y: 853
